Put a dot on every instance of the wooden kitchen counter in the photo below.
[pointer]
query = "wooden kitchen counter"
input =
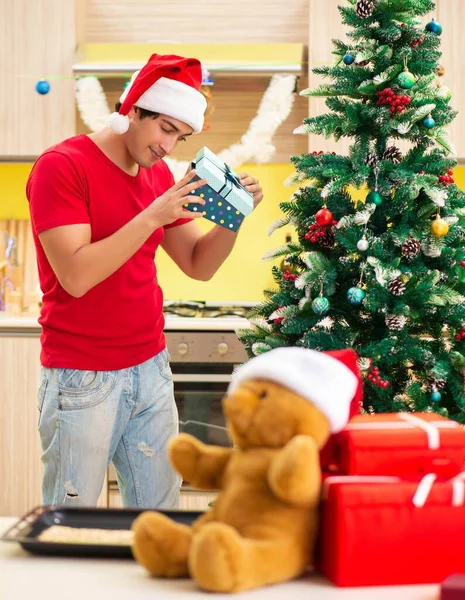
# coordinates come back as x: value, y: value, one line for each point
x: 48, y: 578
x: 22, y: 324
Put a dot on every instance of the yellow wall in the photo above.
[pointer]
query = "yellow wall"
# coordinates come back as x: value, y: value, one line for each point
x: 13, y: 203
x: 244, y: 276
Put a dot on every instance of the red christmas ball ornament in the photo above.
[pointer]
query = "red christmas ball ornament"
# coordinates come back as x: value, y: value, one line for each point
x: 462, y: 263
x: 324, y: 217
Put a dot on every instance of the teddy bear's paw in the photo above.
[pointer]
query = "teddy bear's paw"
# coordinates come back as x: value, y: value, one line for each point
x: 184, y: 452
x: 216, y: 558
x: 160, y: 545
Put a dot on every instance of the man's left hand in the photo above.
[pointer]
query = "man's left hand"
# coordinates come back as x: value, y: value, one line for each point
x: 253, y: 186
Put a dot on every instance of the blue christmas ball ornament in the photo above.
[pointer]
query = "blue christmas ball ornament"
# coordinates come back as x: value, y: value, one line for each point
x: 434, y: 27
x: 435, y: 396
x: 355, y: 296
x: 320, y: 305
x: 429, y: 122
x: 348, y: 59
x: 42, y: 87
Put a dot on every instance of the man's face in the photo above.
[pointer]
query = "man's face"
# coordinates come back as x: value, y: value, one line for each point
x: 150, y: 139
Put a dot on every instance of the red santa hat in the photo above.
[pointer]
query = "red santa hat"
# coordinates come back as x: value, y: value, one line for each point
x: 330, y: 381
x: 168, y: 85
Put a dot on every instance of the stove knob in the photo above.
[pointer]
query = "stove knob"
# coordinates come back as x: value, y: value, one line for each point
x: 183, y: 348
x: 223, y: 348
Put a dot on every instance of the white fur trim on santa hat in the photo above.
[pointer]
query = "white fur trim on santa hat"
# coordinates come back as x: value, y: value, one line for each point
x: 122, y: 98
x: 317, y: 377
x: 174, y: 99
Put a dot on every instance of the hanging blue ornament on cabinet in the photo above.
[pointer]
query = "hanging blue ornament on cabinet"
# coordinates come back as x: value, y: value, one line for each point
x: 355, y: 295
x: 429, y: 122
x: 207, y: 78
x: 320, y: 305
x: 434, y: 27
x: 42, y: 87
x: 348, y: 58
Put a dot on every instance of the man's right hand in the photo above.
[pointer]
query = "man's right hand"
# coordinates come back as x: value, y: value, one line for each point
x: 169, y: 207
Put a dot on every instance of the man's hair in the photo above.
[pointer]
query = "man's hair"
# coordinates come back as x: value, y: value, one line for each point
x: 143, y: 113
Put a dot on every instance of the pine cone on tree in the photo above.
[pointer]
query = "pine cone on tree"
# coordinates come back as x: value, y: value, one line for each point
x: 372, y: 160
x: 328, y: 240
x: 393, y: 154
x: 396, y: 322
x: 396, y: 287
x: 364, y: 8
x: 411, y: 248
x: 436, y: 382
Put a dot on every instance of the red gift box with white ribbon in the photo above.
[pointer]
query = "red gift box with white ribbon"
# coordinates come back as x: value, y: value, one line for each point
x: 399, y: 444
x: 390, y: 531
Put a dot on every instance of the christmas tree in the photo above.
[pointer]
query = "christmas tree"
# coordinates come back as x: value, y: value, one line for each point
x: 384, y: 275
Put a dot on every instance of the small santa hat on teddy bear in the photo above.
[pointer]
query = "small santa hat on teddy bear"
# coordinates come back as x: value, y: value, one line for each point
x: 168, y: 85
x: 330, y: 380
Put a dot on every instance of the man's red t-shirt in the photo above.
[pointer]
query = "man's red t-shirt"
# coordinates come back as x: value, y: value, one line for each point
x: 119, y: 322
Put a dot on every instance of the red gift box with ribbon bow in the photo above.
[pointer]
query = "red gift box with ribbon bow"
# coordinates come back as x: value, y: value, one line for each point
x: 399, y: 444
x: 389, y: 531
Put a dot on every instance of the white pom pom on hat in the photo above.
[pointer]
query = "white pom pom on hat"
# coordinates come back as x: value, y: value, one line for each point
x: 118, y: 123
x: 330, y: 383
x: 168, y: 85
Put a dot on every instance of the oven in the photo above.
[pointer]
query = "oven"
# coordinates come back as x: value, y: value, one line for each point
x: 202, y: 363
x: 204, y: 350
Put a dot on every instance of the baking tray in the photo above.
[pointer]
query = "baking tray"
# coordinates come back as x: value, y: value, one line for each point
x: 28, y: 528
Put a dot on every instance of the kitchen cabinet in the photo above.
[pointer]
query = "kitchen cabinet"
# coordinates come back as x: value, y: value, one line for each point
x: 37, y: 42
x: 20, y: 450
x: 451, y: 15
x: 20, y: 465
x: 189, y: 500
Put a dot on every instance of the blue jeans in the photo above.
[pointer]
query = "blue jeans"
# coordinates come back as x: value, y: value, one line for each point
x: 91, y: 418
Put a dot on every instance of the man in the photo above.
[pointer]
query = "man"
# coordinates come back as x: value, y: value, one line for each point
x: 100, y: 206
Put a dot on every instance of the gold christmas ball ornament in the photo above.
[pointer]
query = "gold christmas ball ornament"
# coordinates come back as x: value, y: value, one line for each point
x: 439, y: 227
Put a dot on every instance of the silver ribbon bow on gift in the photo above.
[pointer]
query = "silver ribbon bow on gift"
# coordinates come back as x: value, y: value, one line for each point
x: 232, y: 177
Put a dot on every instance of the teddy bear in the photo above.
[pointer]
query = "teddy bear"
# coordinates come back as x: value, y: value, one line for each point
x: 280, y: 409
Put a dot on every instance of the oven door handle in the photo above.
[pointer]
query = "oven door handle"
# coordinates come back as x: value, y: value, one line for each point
x: 199, y: 378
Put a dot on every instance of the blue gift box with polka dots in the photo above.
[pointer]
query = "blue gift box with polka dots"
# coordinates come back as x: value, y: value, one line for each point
x: 227, y: 202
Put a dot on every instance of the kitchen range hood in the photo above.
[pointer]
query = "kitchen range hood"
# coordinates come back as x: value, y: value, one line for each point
x: 121, y: 60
